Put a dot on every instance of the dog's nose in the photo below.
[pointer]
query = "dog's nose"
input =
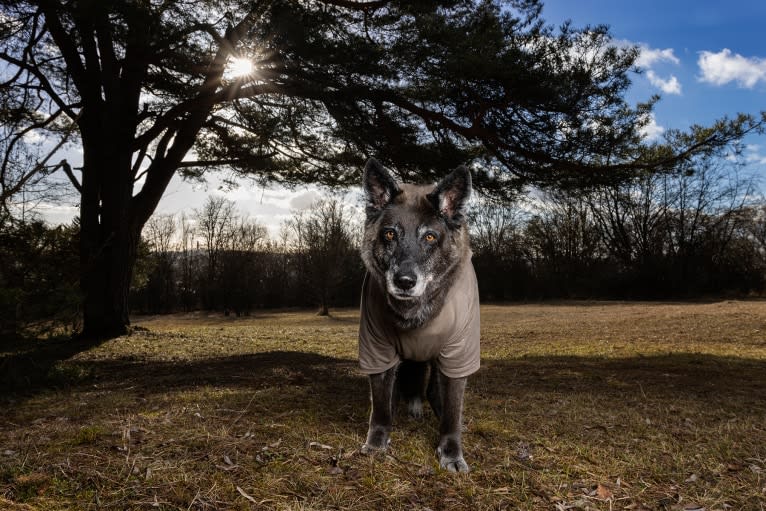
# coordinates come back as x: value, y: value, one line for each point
x: 405, y: 281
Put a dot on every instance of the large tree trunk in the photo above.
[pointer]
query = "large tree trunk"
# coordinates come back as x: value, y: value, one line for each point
x: 109, y: 234
x: 105, y: 283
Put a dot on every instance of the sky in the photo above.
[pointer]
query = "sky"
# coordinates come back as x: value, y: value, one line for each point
x: 707, y: 59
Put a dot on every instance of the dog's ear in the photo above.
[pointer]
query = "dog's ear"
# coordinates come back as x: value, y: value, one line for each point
x: 451, y: 195
x: 380, y: 188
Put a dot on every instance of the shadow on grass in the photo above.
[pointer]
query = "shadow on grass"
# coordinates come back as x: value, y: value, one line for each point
x: 281, y: 371
x: 681, y: 377
x: 26, y: 364
x: 698, y: 380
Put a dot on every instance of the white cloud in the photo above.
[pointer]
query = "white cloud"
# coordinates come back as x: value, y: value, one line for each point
x: 652, y: 131
x: 304, y: 200
x: 724, y: 67
x: 753, y: 154
x: 650, y: 56
x: 669, y: 86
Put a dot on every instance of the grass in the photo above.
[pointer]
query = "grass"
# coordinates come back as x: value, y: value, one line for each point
x: 577, y: 406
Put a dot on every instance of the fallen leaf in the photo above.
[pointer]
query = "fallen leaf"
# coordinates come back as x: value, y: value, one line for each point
x: 692, y: 478
x: 603, y: 492
x: 321, y: 446
x: 227, y: 460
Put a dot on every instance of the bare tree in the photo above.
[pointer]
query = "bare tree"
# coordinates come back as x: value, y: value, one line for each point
x: 215, y: 226
x: 564, y: 244
x: 240, y: 270
x: 631, y: 218
x: 159, y: 233
x: 499, y: 253
x: 247, y: 235
x: 323, y: 241
x: 188, y: 262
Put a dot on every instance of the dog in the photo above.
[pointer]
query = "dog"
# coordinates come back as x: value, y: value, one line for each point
x: 419, y: 326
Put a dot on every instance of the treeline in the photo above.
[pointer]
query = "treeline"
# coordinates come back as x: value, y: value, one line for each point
x: 218, y: 259
x: 685, y: 234
x: 668, y: 235
x: 663, y: 235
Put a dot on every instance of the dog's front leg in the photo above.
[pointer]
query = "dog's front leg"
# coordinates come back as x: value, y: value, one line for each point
x: 381, y: 417
x: 450, y: 450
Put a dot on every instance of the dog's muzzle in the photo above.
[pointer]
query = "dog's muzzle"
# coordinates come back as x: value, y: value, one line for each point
x: 405, y: 282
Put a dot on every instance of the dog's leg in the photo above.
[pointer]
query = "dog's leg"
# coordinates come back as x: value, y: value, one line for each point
x: 450, y: 450
x: 381, y: 417
x: 433, y: 391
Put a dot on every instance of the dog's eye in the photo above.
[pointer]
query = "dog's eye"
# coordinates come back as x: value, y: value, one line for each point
x: 430, y: 238
x: 389, y: 235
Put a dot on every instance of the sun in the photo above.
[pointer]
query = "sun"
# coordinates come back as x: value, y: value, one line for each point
x: 239, y: 67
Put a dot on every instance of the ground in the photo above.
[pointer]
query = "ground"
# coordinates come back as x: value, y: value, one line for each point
x: 586, y: 405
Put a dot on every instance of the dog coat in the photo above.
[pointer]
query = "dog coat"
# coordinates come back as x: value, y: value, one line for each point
x: 452, y: 337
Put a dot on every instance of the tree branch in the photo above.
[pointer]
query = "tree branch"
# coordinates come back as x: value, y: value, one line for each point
x: 65, y: 42
x: 68, y: 171
x: 44, y: 83
x: 351, y: 4
x: 8, y: 192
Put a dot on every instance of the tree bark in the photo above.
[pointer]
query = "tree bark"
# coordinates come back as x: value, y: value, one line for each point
x: 105, y: 283
x: 109, y: 230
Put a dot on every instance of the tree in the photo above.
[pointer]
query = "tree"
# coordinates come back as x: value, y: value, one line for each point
x: 240, y: 270
x: 420, y: 84
x: 188, y: 264
x: 499, y: 250
x: 215, y: 225
x: 159, y: 233
x: 38, y: 278
x: 325, y: 248
x: 670, y: 231
x: 564, y: 244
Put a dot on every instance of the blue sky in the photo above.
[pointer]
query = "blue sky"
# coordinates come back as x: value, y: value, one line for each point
x: 705, y: 58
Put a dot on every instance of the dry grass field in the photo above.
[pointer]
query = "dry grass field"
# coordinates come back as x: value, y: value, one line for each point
x: 583, y: 405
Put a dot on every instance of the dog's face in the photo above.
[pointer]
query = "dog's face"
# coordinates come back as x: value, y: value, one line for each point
x: 414, y: 238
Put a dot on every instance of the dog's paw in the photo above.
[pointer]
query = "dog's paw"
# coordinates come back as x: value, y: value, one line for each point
x: 368, y: 448
x: 452, y: 460
x: 377, y: 440
x: 415, y: 408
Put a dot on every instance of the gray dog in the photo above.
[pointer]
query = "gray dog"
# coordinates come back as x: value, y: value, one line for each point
x: 419, y: 329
